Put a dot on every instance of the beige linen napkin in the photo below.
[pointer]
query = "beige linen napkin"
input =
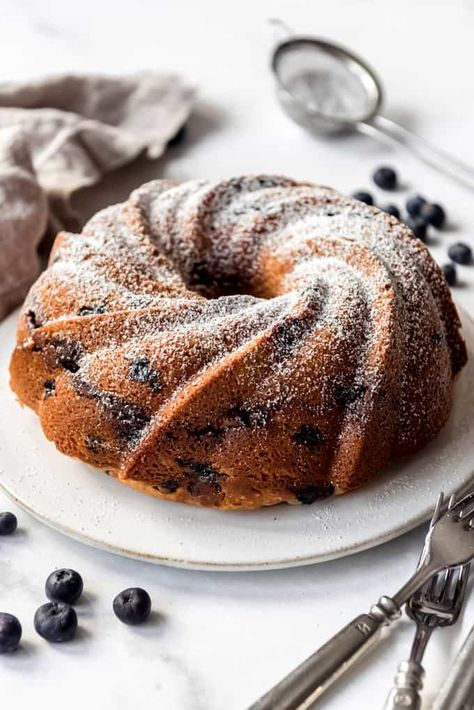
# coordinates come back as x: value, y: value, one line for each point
x: 61, y: 133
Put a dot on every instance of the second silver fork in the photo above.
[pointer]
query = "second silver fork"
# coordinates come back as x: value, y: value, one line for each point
x: 437, y: 604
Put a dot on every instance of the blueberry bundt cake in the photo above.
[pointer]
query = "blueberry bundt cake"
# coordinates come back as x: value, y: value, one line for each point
x: 240, y: 343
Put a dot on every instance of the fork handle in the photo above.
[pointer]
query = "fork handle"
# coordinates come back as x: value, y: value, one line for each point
x: 310, y: 679
x: 405, y: 693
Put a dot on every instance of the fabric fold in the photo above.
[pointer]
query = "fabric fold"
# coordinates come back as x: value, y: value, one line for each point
x: 61, y: 133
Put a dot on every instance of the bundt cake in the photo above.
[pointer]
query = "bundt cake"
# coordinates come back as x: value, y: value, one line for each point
x: 241, y: 343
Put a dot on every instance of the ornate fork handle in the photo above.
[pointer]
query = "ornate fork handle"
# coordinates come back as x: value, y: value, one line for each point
x: 408, y: 682
x: 310, y: 679
x: 405, y: 693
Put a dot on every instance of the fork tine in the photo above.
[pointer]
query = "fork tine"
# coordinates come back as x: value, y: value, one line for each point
x: 461, y: 585
x: 433, y: 585
x: 437, y: 512
x: 448, y: 590
x: 443, y: 595
x: 447, y: 544
x: 464, y: 574
x: 462, y: 504
x: 438, y: 509
x: 467, y: 518
x: 466, y: 514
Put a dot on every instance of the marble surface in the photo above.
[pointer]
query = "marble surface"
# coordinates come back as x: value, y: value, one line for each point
x: 219, y: 640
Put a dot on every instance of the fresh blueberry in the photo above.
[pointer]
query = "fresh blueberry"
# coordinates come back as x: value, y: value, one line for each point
x: 56, y: 622
x: 385, y: 178
x: 8, y: 523
x: 417, y: 226
x: 132, y: 606
x: 363, y: 196
x: 449, y: 271
x: 460, y: 253
x: 64, y: 585
x: 10, y: 632
x: 393, y: 210
x: 433, y: 214
x: 414, y: 205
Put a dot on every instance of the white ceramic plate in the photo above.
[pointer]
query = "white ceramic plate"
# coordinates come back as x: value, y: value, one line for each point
x: 87, y: 505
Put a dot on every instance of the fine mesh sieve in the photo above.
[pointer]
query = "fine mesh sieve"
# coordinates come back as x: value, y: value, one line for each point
x: 328, y: 90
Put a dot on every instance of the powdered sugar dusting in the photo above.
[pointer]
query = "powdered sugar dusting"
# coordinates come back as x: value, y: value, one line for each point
x: 247, y: 307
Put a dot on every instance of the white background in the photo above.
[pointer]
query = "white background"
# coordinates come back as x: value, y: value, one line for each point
x: 222, y: 639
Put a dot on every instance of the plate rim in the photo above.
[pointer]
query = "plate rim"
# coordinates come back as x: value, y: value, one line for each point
x: 203, y: 566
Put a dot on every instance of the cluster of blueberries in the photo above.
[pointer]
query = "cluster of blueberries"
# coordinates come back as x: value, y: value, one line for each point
x: 421, y: 214
x: 56, y: 621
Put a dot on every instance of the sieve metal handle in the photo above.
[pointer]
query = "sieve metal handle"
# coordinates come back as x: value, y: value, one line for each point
x: 279, y: 29
x: 392, y: 132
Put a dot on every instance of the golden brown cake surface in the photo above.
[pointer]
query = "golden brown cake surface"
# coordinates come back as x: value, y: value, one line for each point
x: 239, y: 343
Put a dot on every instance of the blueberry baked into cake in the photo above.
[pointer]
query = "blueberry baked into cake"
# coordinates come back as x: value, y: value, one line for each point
x: 239, y: 344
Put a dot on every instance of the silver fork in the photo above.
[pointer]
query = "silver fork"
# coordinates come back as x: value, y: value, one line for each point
x: 437, y: 604
x: 449, y: 542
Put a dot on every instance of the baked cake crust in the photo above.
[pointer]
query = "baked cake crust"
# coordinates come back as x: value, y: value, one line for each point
x: 241, y: 343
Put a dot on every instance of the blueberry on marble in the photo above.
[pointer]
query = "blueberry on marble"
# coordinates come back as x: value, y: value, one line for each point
x: 414, y: 205
x: 433, y: 214
x: 460, y: 253
x: 450, y: 273
x: 309, y: 494
x: 363, y: 196
x: 8, y: 523
x: 132, y: 606
x: 392, y: 209
x: 10, y: 632
x: 64, y: 585
x: 56, y: 622
x: 417, y: 226
x: 385, y: 178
